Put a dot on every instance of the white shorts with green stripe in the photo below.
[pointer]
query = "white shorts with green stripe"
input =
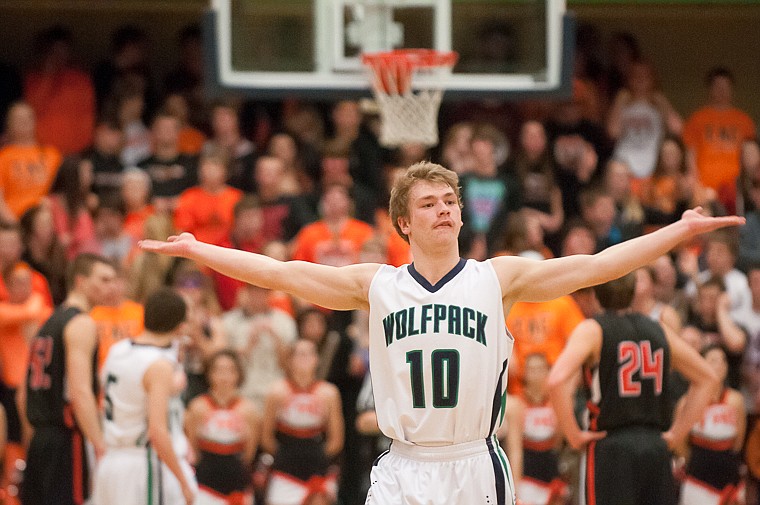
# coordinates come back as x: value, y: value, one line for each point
x: 473, y: 473
x: 135, y: 476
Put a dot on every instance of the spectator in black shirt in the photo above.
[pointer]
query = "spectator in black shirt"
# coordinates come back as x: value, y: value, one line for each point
x: 103, y: 157
x: 170, y: 171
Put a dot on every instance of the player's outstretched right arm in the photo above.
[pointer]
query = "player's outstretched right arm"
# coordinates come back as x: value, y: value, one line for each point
x: 344, y: 288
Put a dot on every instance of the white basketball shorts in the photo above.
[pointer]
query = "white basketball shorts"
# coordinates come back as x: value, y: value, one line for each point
x: 135, y: 476
x: 472, y: 473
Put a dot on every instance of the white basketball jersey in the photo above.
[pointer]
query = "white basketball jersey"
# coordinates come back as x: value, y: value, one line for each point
x: 438, y: 354
x: 126, y: 401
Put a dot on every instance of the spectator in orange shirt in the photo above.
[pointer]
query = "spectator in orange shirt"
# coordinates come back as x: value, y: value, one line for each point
x: 19, y: 326
x: 117, y: 318
x: 27, y: 169
x: 714, y: 135
x: 11, y: 248
x: 539, y: 328
x: 337, y: 238
x: 207, y: 210
x: 63, y: 97
x: 26, y: 311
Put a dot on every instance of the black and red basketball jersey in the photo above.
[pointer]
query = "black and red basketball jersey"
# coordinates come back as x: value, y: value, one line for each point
x: 46, y: 395
x: 629, y: 386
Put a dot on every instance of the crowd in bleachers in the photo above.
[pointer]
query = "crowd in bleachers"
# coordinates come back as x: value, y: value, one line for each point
x: 94, y: 160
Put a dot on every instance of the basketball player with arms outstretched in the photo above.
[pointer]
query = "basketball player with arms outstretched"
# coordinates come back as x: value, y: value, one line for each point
x: 438, y: 343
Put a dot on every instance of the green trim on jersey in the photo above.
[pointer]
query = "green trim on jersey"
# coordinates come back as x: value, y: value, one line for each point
x: 505, y: 465
x: 150, y: 476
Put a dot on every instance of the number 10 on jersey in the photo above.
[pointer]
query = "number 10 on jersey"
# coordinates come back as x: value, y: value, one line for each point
x: 444, y: 364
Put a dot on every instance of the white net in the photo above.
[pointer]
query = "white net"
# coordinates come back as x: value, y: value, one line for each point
x: 407, y: 115
x: 411, y: 118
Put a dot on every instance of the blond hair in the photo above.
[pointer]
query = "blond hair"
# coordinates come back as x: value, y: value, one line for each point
x: 422, y: 171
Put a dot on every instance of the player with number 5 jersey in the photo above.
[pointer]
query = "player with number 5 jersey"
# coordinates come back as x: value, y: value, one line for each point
x: 142, y: 414
x: 438, y: 346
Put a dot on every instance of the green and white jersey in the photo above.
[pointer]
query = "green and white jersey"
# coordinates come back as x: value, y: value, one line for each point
x: 125, y: 409
x: 438, y: 353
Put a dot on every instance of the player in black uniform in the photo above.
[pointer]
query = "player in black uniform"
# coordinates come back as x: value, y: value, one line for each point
x: 626, y: 358
x: 61, y: 391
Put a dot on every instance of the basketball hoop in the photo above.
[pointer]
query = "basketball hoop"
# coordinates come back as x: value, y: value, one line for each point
x: 408, y: 116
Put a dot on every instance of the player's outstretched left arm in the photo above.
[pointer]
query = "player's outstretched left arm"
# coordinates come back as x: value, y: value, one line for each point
x: 344, y: 288
x: 533, y: 281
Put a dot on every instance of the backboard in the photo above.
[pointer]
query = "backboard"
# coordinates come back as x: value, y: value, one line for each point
x: 312, y: 48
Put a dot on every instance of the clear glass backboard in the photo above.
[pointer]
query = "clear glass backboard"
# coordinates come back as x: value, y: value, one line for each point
x: 281, y: 47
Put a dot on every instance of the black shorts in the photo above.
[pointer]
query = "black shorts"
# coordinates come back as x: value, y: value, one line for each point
x: 629, y: 467
x: 56, y: 468
x: 223, y: 473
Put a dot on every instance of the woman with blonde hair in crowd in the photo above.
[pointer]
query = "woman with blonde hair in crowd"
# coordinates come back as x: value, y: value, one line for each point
x: 149, y: 271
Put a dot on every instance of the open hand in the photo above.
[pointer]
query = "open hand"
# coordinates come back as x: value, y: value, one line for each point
x: 176, y: 245
x: 700, y: 223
